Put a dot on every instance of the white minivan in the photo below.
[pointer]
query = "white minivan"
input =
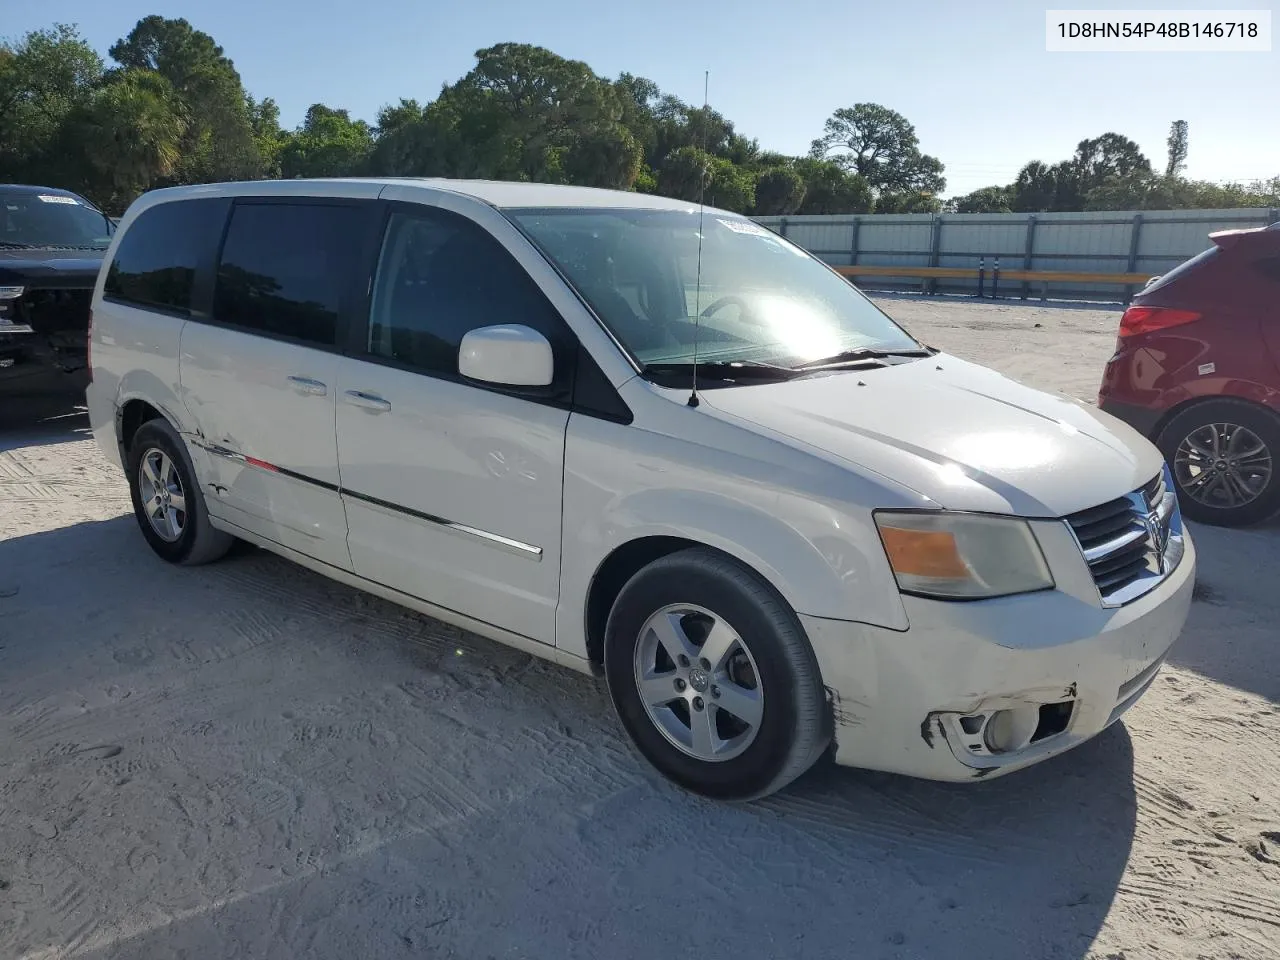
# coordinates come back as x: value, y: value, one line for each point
x: 648, y: 441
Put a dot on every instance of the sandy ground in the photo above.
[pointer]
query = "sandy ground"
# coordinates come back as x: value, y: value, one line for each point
x: 248, y: 761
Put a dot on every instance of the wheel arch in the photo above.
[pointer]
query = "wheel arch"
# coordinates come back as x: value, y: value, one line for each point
x: 618, y: 567
x: 130, y: 416
x: 1255, y: 397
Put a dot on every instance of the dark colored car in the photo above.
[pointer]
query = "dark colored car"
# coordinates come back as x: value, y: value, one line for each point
x: 51, y: 246
x: 1197, y: 369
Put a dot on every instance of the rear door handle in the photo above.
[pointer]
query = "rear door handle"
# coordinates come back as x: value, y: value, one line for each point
x: 308, y: 386
x: 369, y: 401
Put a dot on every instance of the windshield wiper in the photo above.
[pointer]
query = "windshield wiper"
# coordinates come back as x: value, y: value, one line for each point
x: 724, y: 370
x: 861, y: 355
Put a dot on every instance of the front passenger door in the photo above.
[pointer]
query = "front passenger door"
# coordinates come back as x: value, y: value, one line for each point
x: 452, y: 488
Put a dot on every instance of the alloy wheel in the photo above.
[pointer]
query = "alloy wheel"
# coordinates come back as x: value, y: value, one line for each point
x: 698, y: 682
x: 1223, y: 465
x: 163, y: 499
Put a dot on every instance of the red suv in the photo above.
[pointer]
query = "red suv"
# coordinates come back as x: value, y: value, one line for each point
x: 1197, y: 369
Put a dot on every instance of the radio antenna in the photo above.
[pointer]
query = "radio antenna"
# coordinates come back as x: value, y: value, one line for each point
x: 702, y: 190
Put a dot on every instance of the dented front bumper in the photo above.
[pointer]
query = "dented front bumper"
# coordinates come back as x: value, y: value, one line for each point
x: 917, y: 702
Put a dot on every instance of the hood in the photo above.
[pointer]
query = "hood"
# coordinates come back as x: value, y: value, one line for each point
x: 50, y: 267
x: 961, y: 435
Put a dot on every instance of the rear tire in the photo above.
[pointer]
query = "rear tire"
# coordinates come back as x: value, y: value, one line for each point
x: 738, y: 723
x: 1225, y: 458
x: 167, y: 501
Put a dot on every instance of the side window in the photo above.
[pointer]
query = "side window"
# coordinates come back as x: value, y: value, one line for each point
x: 285, y: 268
x: 157, y: 260
x: 441, y: 275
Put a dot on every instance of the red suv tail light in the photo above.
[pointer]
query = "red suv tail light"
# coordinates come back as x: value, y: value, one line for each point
x: 1138, y: 320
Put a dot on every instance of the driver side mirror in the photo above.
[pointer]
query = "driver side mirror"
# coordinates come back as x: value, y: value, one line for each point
x: 509, y: 355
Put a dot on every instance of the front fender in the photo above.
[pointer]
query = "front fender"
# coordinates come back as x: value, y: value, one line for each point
x: 809, y: 557
x: 822, y: 555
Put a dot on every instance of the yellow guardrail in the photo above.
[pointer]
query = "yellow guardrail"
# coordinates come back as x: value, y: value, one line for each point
x: 972, y: 273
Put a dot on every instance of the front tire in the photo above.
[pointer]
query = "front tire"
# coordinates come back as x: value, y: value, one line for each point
x: 1225, y: 458
x: 167, y: 500
x: 713, y: 677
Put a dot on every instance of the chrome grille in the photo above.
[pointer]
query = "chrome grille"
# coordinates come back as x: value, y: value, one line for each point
x: 1133, y: 542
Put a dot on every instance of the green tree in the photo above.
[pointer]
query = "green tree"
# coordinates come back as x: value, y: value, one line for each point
x: 881, y: 146
x: 533, y: 115
x: 607, y: 155
x: 219, y: 141
x: 831, y: 189
x: 522, y: 113
x: 985, y: 200
x: 44, y: 77
x: 328, y: 144
x: 908, y: 202
x: 126, y: 137
x: 692, y: 174
x: 640, y: 99
x: 1264, y: 193
x: 1095, y: 161
x: 1035, y: 189
x: 646, y: 180
x: 1178, y: 143
x: 264, y: 119
x: 393, y: 118
x: 1146, y: 191
x: 779, y: 190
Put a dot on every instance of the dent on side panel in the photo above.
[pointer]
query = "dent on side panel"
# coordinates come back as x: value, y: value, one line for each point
x: 727, y: 489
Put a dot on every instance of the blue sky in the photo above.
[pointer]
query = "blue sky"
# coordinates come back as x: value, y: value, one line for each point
x: 973, y: 77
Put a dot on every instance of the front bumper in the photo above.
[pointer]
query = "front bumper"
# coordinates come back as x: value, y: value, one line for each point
x: 897, y: 697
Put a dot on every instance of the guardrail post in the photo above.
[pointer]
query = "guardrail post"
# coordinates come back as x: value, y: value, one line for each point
x: 1135, y: 234
x: 1029, y: 251
x: 982, y: 274
x: 935, y: 244
x: 853, y: 243
x: 782, y: 227
x: 995, y: 278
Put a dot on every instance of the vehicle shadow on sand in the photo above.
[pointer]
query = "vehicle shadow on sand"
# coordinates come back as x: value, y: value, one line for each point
x: 298, y: 769
x: 1230, y: 634
x: 52, y: 414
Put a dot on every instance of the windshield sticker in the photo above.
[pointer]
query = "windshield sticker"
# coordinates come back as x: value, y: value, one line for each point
x: 50, y: 198
x: 746, y: 226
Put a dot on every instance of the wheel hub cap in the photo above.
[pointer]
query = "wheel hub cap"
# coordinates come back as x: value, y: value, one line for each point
x: 162, y: 496
x: 1223, y: 465
x: 698, y: 682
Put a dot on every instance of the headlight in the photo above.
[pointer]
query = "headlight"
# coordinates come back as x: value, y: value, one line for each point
x: 10, y: 293
x: 962, y: 556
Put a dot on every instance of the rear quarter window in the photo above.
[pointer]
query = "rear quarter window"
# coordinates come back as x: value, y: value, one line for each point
x: 157, y: 259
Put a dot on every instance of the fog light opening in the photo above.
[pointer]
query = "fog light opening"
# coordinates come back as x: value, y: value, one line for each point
x: 1010, y: 730
x: 1054, y: 719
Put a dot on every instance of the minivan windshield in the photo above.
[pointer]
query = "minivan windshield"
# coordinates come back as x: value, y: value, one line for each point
x: 50, y: 219
x: 756, y: 298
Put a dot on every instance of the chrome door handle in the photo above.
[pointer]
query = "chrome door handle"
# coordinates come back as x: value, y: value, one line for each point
x: 308, y: 386
x: 369, y: 401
